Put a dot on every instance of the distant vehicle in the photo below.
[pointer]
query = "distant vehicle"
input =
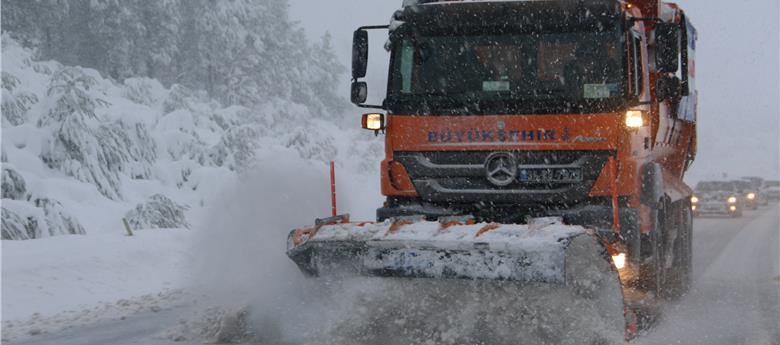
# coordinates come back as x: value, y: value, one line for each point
x: 771, y: 190
x: 716, y: 197
x: 758, y: 184
x: 748, y: 192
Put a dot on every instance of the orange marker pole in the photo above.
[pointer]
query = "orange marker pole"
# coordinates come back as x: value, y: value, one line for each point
x: 333, y: 188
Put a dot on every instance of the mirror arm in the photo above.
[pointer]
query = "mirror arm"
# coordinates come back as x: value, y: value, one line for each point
x: 645, y: 19
x: 374, y: 27
x: 370, y: 106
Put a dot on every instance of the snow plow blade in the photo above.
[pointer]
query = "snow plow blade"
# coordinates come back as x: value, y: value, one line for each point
x: 420, y: 249
x: 537, y: 252
x: 567, y: 264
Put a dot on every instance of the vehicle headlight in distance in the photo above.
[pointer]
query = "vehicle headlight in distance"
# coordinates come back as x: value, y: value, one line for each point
x: 732, y: 200
x: 694, y: 199
x: 751, y: 196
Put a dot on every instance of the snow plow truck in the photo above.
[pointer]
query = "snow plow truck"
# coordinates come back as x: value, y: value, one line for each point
x: 528, y: 144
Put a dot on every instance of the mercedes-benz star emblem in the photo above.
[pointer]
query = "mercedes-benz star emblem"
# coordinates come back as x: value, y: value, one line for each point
x: 501, y: 168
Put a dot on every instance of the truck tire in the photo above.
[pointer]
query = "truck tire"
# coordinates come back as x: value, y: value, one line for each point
x: 679, y: 275
x: 689, y: 246
x: 651, y: 271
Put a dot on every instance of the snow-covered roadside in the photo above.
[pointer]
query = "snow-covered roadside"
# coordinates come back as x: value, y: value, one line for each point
x: 60, y: 282
x: 63, y: 281
x: 138, y: 150
x: 36, y: 325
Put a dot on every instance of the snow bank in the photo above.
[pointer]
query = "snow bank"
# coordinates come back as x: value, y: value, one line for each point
x: 38, y: 324
x: 51, y: 275
x: 66, y: 281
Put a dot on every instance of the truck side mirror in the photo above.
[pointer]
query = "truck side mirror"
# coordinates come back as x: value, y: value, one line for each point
x: 359, y: 92
x: 359, y: 53
x: 667, y: 47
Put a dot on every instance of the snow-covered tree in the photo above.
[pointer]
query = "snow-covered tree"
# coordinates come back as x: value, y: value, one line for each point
x: 15, y: 104
x: 169, y: 94
x: 157, y: 212
x: 239, y: 51
x: 42, y: 218
x: 13, y: 186
x: 87, y: 148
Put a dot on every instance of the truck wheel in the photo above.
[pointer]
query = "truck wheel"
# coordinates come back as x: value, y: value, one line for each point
x: 651, y: 268
x: 689, y: 253
x: 679, y: 275
x: 651, y: 271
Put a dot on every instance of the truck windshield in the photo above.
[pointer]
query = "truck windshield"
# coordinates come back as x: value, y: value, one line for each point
x: 715, y: 186
x: 531, y: 72
x: 743, y: 185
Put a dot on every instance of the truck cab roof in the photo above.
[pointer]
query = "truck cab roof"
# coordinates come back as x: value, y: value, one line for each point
x: 433, y: 16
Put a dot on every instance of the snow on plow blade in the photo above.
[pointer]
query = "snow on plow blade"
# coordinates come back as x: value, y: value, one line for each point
x: 542, y: 251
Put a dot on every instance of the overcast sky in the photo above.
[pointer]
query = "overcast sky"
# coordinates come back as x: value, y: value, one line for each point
x: 738, y: 74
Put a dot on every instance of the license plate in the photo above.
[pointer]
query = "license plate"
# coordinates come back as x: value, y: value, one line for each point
x: 712, y: 208
x: 548, y: 175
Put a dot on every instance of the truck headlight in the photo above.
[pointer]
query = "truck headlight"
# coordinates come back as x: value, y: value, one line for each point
x: 619, y: 260
x: 634, y: 119
x: 751, y: 196
x: 732, y: 200
x: 373, y: 121
x: 694, y: 199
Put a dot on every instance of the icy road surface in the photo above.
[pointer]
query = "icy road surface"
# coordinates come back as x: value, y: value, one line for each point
x: 735, y: 297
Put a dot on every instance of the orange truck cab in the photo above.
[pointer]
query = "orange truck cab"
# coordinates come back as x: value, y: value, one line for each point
x: 513, y: 109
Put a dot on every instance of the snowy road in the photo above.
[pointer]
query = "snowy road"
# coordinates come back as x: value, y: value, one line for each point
x: 735, y: 298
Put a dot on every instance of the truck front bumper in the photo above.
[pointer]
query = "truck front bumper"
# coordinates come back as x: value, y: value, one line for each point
x: 715, y: 208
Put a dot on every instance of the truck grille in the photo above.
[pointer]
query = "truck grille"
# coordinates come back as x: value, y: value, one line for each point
x: 541, y: 177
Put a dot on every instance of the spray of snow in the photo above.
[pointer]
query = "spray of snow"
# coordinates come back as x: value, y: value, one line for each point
x: 254, y: 292
x: 241, y: 245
